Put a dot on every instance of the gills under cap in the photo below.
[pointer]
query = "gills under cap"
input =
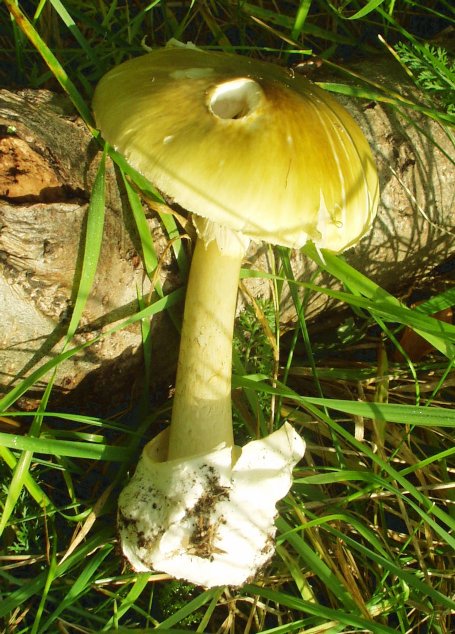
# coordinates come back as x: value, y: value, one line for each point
x: 244, y: 144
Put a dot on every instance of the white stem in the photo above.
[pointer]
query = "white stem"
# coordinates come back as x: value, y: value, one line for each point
x: 202, y: 414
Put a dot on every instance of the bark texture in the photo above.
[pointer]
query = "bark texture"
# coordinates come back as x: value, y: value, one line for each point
x: 47, y: 164
x: 48, y: 161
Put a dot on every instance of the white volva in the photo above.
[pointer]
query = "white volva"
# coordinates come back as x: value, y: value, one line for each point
x: 207, y: 518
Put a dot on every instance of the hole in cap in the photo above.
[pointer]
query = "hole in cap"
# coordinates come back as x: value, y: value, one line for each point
x: 235, y: 99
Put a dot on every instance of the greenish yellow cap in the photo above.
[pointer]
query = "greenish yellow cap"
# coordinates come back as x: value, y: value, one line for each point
x: 242, y: 143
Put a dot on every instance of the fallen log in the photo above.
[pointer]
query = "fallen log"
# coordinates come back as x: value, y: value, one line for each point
x: 48, y: 160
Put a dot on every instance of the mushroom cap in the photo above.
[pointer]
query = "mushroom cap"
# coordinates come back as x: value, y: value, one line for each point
x: 242, y: 143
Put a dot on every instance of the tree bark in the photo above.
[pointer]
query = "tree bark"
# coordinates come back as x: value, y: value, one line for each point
x: 47, y: 164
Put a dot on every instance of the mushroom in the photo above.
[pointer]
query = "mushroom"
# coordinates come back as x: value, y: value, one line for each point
x: 254, y: 153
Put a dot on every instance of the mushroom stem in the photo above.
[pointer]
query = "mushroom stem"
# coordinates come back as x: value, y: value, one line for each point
x: 202, y: 414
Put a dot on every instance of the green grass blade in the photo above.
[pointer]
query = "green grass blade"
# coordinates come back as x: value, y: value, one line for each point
x: 21, y: 474
x: 52, y: 62
x: 439, y: 334
x: 410, y: 578
x: 434, y: 304
x: 189, y: 608
x: 321, y: 611
x: 35, y: 586
x: 74, y: 449
x: 392, y: 413
x: 30, y: 484
x: 75, y: 32
x: 300, y: 18
x: 318, y: 567
x: 364, y: 11
x: 51, y: 573
x: 366, y: 533
x: 80, y: 586
x: 92, y: 247
x: 148, y: 249
x: 128, y: 602
x: 168, y: 221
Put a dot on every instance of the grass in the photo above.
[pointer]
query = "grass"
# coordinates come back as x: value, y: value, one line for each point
x: 365, y: 538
